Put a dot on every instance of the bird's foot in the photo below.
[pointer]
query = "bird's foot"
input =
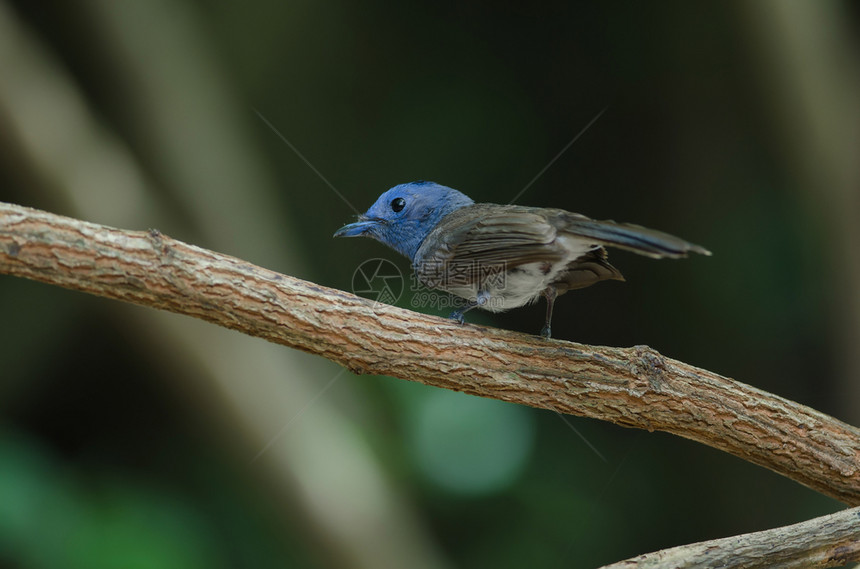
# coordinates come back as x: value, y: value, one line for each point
x: 550, y: 293
x: 482, y: 299
x: 457, y: 315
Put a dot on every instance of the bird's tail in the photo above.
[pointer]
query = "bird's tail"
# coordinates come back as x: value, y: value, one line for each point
x: 631, y: 237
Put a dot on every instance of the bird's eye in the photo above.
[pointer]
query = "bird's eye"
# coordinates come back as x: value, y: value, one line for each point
x: 398, y: 204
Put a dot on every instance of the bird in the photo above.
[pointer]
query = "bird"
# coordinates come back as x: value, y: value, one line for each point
x: 499, y: 257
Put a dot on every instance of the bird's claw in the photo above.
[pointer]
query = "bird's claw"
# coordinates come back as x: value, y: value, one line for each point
x: 546, y: 332
x: 457, y: 315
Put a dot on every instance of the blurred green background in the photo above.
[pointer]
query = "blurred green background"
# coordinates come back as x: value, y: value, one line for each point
x: 138, y: 439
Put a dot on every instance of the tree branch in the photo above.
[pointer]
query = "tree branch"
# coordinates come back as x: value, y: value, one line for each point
x: 828, y: 541
x: 633, y: 387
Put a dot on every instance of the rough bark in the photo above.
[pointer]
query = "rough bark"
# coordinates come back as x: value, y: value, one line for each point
x: 828, y: 541
x: 633, y: 387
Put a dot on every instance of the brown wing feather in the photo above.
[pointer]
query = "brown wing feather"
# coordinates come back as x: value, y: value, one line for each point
x: 589, y: 269
x: 491, y: 234
x: 489, y: 237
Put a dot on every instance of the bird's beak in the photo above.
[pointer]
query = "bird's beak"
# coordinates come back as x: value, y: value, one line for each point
x: 361, y: 227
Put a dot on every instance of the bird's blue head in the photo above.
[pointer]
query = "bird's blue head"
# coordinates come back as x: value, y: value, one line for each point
x: 404, y: 215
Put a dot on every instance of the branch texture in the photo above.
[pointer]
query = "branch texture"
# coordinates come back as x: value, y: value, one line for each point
x: 828, y: 541
x: 633, y: 387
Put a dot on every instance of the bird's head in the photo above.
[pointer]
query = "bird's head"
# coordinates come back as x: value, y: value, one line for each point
x: 404, y: 215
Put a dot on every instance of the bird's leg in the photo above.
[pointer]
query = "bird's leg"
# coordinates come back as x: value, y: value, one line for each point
x: 550, y: 293
x: 480, y: 300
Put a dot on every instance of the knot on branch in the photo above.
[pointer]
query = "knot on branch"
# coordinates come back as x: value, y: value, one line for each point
x: 156, y: 237
x: 13, y: 248
x: 649, y: 366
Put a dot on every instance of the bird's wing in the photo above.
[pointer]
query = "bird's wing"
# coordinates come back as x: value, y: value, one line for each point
x: 492, y: 235
x: 488, y: 237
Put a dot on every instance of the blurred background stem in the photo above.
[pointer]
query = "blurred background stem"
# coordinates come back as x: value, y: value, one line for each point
x: 807, y: 54
x: 255, y: 387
